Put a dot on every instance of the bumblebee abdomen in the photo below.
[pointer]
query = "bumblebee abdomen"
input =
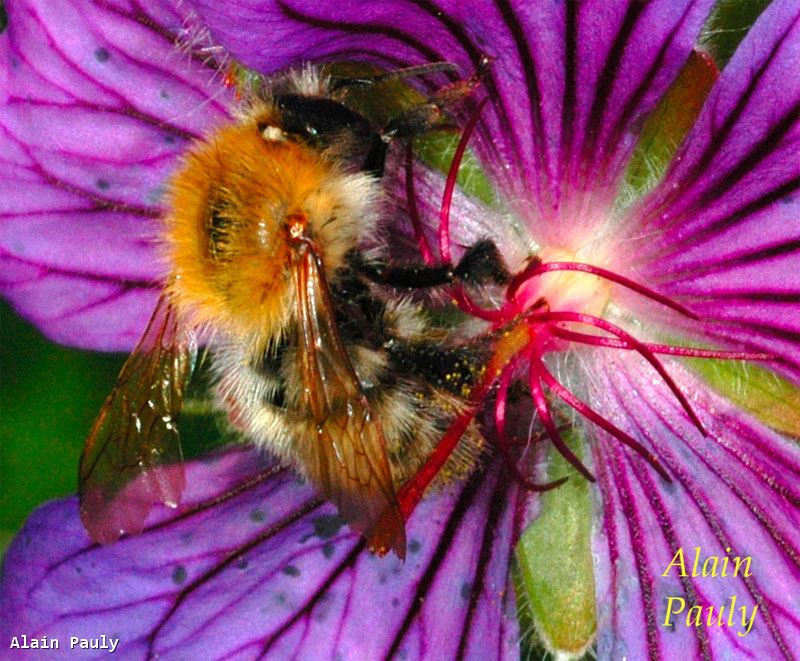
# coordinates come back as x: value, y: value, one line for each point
x: 403, y: 375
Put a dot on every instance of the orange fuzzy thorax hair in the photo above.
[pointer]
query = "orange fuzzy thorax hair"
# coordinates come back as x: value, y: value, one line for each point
x: 226, y: 234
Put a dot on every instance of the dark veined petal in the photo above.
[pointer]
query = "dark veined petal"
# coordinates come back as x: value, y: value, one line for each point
x: 570, y: 82
x: 254, y: 566
x: 735, y: 493
x: 726, y: 219
x: 95, y: 105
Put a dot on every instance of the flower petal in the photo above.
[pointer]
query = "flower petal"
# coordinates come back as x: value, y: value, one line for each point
x: 255, y: 565
x: 722, y: 230
x: 97, y: 104
x: 569, y: 82
x: 735, y: 493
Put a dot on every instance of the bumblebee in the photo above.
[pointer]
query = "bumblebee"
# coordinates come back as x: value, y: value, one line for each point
x: 315, y: 356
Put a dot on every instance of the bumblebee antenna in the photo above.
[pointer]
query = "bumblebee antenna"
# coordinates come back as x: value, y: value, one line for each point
x: 398, y: 74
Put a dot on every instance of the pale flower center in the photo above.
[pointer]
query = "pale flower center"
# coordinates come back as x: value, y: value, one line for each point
x: 568, y: 291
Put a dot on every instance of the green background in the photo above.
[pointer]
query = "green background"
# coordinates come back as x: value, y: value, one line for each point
x: 49, y: 396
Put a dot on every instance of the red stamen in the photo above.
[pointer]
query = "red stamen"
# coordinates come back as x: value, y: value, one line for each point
x: 460, y: 296
x: 412, y: 491
x: 465, y: 303
x: 597, y: 322
x: 508, y: 345
x: 522, y: 277
x: 537, y: 268
x: 503, y: 443
x: 413, y: 210
x: 450, y: 184
x: 690, y: 352
x: 586, y: 411
x: 540, y: 401
x: 522, y: 335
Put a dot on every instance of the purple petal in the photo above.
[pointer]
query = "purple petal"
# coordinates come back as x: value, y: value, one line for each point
x: 254, y: 566
x: 96, y: 106
x: 725, y: 219
x: 570, y: 82
x: 735, y: 489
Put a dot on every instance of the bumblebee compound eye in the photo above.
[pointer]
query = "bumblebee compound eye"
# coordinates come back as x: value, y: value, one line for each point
x: 327, y: 124
x: 317, y: 118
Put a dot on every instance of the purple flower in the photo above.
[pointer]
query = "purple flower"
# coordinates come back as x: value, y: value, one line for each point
x: 97, y: 106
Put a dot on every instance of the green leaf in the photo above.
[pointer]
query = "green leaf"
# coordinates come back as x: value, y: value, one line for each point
x: 554, y: 557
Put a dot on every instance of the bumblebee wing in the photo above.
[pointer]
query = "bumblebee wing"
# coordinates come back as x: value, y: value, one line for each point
x: 344, y: 451
x: 132, y: 457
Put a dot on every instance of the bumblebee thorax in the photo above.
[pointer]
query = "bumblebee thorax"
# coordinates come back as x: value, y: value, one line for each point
x: 233, y: 207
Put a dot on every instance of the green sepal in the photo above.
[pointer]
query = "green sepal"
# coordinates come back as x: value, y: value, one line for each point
x: 728, y: 24
x: 556, y: 586
x: 762, y: 393
x: 667, y: 125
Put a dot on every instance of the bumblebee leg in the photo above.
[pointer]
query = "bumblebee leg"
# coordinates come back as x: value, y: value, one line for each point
x: 481, y: 264
x: 422, y: 118
x: 415, y: 121
x: 429, y: 116
x: 375, y: 163
x: 407, y: 277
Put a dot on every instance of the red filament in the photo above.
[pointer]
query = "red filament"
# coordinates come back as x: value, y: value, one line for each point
x: 537, y: 268
x: 413, y: 210
x: 502, y: 439
x: 540, y: 401
x: 450, y: 184
x: 462, y: 299
x: 642, y: 349
x: 588, y: 412
x: 689, y: 352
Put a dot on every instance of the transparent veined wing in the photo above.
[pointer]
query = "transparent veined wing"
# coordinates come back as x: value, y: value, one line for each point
x: 344, y: 450
x: 132, y: 458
